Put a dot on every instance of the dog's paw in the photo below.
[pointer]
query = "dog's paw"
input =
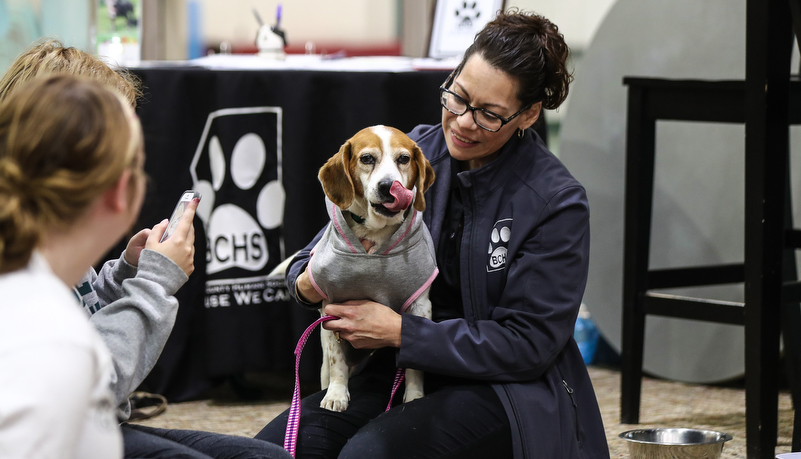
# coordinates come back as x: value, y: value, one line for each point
x: 412, y: 394
x: 336, y: 398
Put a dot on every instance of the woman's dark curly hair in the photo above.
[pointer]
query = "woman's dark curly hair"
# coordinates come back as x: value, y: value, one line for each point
x: 529, y: 48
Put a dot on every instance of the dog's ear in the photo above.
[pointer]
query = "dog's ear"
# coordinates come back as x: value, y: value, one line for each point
x: 335, y: 177
x: 425, y: 177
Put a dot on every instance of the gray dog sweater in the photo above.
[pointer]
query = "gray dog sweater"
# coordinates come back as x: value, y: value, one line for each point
x: 395, y: 275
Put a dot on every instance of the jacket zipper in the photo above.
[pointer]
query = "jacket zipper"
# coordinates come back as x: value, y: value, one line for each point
x: 517, y: 418
x: 575, y: 408
x: 477, y: 314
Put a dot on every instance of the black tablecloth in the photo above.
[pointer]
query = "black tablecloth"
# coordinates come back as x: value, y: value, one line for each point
x: 209, y: 123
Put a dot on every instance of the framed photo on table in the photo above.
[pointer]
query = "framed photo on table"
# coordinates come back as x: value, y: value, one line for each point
x: 456, y: 23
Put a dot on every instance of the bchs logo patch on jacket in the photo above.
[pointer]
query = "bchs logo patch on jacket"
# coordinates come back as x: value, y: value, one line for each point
x: 237, y: 169
x: 499, y: 240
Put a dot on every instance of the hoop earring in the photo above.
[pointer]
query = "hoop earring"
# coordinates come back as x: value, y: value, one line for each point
x: 520, y: 133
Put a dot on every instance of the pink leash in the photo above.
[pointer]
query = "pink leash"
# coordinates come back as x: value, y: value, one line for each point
x: 293, y: 422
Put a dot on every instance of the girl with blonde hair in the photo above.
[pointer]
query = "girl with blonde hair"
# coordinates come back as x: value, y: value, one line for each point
x: 130, y: 301
x: 50, y: 56
x: 71, y: 184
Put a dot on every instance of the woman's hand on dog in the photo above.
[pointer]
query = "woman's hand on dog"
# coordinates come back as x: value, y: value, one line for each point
x: 365, y: 324
x: 306, y: 290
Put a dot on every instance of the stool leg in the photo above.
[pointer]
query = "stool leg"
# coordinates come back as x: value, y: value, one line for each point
x: 640, y: 145
x: 633, y: 340
x: 791, y: 319
x: 791, y: 324
x: 767, y: 70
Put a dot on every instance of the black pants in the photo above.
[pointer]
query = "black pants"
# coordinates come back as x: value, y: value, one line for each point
x: 456, y: 419
x: 148, y: 442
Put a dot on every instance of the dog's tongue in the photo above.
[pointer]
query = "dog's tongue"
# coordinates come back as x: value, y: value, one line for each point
x: 402, y: 195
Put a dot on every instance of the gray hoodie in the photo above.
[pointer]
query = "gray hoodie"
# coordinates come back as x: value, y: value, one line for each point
x: 395, y: 275
x: 134, y: 311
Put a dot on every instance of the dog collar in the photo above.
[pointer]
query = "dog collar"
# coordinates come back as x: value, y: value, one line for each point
x: 357, y: 219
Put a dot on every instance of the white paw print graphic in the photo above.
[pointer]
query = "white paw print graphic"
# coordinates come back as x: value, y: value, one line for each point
x: 499, y: 239
x: 237, y: 169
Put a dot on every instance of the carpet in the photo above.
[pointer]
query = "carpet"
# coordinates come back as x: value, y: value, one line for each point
x: 664, y: 404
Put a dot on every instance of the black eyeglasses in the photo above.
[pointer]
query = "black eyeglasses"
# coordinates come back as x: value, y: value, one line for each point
x: 484, y: 118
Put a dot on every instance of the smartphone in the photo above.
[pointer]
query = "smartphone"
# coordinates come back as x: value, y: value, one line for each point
x: 186, y: 198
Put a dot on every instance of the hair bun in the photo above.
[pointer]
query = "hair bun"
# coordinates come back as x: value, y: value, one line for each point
x: 19, y: 229
x: 11, y: 175
x: 14, y: 185
x: 13, y: 190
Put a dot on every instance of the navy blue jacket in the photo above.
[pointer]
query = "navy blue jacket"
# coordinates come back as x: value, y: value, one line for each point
x: 524, y: 263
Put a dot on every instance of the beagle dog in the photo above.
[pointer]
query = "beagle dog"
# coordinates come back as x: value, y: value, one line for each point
x: 376, y: 246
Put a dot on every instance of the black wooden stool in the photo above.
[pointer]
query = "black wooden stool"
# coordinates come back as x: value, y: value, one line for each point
x: 766, y: 103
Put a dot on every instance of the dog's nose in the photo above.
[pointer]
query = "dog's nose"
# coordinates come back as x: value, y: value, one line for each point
x: 384, y: 187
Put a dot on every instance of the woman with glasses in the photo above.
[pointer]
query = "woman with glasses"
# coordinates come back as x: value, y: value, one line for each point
x: 503, y: 376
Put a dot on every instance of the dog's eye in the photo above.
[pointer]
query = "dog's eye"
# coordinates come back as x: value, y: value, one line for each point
x: 367, y: 159
x: 404, y: 159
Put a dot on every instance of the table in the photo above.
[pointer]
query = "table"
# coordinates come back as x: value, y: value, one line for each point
x: 251, y: 136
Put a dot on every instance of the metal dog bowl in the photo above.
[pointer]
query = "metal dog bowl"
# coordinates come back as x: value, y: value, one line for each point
x: 675, y: 443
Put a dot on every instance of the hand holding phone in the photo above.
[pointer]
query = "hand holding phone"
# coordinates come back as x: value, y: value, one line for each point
x: 186, y: 198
